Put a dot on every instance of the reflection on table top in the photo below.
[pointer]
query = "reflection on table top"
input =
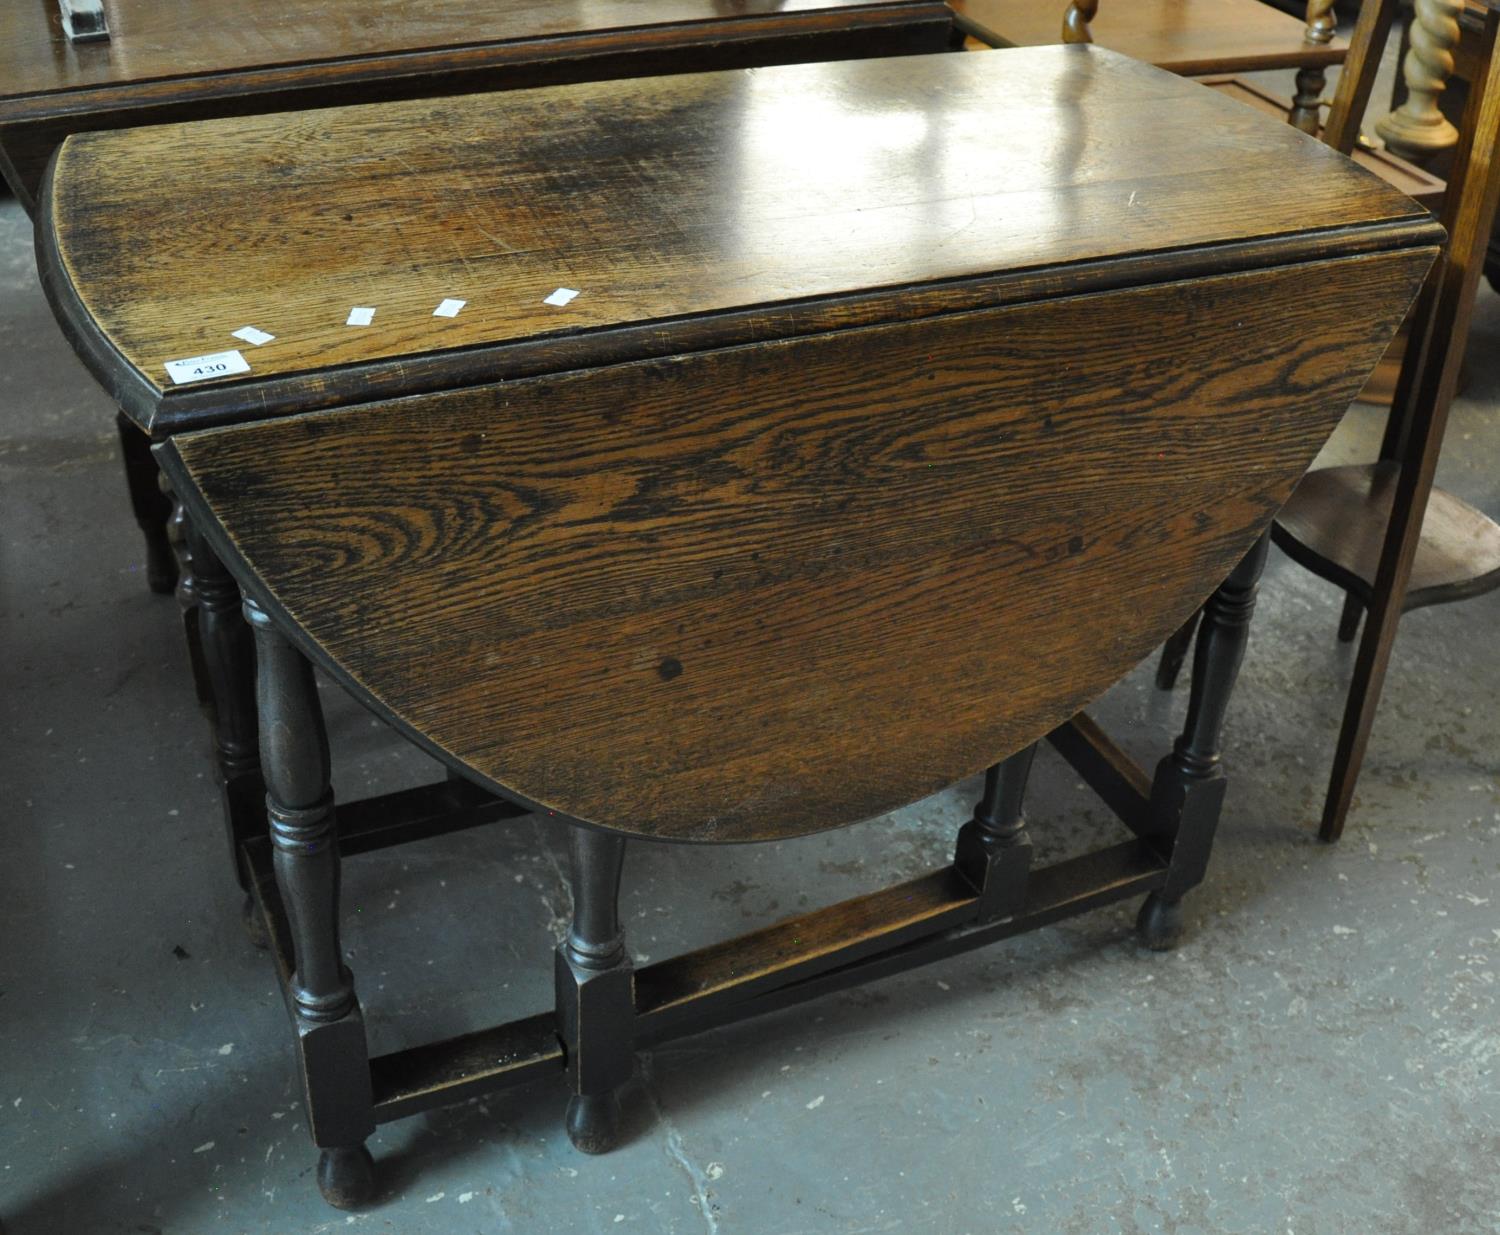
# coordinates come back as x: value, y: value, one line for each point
x: 662, y: 199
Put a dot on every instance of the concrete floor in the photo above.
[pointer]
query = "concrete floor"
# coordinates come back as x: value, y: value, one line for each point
x: 1319, y: 1056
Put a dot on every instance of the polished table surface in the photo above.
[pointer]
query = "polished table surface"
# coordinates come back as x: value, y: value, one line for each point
x: 904, y: 404
x: 186, y: 59
x: 669, y: 203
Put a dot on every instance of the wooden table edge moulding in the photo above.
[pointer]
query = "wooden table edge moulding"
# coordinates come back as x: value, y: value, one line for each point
x: 883, y: 434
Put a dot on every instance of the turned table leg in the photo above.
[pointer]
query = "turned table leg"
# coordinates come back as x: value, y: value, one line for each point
x: 993, y: 854
x: 226, y: 654
x: 1188, y: 789
x: 596, y: 992
x: 151, y: 507
x: 332, y: 1051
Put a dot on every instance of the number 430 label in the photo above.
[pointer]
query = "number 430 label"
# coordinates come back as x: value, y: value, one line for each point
x: 206, y: 368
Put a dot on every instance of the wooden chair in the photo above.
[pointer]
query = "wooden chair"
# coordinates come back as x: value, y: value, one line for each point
x: 1192, y: 38
x: 1380, y: 530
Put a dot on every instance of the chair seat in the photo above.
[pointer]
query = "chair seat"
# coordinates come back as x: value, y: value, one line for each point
x: 1189, y: 37
x: 1334, y: 525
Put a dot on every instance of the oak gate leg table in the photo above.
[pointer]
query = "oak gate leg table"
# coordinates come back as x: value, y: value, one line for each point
x: 806, y: 440
x: 279, y: 56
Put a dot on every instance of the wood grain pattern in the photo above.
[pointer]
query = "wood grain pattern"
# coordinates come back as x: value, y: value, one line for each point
x: 766, y: 590
x: 1184, y: 36
x: 926, y: 170
x: 246, y: 60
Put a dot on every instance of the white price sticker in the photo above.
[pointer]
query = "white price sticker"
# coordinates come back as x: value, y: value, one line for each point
x: 560, y: 297
x: 449, y: 308
x: 360, y: 316
x: 206, y: 368
x: 251, y: 335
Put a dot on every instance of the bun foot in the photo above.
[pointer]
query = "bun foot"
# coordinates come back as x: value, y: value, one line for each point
x: 255, y: 925
x: 593, y: 1122
x: 1159, y: 923
x: 346, y: 1176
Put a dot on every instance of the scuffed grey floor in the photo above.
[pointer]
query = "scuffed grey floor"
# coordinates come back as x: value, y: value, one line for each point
x: 1319, y: 1057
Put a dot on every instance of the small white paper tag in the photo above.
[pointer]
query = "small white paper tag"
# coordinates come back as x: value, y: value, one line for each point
x: 449, y: 308
x: 251, y: 335
x: 561, y: 296
x: 360, y: 317
x: 206, y: 368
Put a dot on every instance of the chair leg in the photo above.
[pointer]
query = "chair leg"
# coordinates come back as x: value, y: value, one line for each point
x: 332, y: 1050
x: 1174, y: 651
x: 993, y: 854
x: 1188, y: 789
x: 1349, y: 618
x: 1370, y: 665
x: 226, y: 652
x: 596, y: 992
x: 152, y: 509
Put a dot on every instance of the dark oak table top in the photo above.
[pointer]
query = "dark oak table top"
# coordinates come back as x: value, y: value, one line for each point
x: 925, y: 171
x: 186, y: 59
x: 904, y: 404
